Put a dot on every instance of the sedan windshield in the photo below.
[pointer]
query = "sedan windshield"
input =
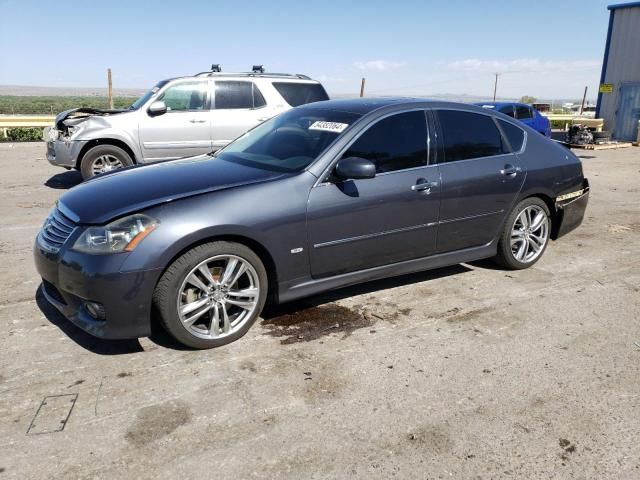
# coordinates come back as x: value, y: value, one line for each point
x: 289, y: 142
x: 145, y: 98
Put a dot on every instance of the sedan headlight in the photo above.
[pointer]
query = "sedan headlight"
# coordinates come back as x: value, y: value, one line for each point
x: 119, y: 236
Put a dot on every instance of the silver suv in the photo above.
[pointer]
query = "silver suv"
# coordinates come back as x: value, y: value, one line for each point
x: 176, y: 118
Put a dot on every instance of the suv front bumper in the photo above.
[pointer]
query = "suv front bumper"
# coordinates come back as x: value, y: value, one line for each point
x: 64, y: 153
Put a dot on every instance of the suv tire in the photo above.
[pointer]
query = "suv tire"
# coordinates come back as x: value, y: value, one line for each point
x: 103, y: 159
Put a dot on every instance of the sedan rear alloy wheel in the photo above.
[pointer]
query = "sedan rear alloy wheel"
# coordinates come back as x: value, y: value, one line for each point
x: 525, y: 235
x: 529, y: 234
x: 218, y: 296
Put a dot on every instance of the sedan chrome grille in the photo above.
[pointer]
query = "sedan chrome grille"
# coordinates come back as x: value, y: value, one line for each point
x: 56, y: 230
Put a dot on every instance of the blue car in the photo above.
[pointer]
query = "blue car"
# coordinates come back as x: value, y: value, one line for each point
x: 522, y: 112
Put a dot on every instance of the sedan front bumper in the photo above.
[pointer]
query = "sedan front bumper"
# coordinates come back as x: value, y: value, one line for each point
x: 71, y: 279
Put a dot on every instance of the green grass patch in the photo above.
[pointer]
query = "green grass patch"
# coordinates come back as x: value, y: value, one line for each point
x: 28, y: 105
x: 22, y: 134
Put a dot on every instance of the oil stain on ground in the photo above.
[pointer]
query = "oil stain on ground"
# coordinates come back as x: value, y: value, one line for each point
x: 432, y: 438
x: 312, y: 323
x: 157, y: 421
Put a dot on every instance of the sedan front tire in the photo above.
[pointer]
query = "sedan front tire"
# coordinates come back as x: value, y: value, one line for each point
x: 211, y: 295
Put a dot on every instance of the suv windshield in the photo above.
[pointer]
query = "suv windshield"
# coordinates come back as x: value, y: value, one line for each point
x: 289, y: 142
x: 145, y: 98
x: 297, y: 94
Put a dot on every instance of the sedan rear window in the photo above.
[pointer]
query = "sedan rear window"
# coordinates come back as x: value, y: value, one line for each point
x: 301, y: 93
x: 514, y: 134
x: 523, y: 112
x: 507, y: 110
x: 469, y: 135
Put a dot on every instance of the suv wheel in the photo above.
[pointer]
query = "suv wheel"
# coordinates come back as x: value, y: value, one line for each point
x: 525, y: 235
x: 103, y: 159
x: 211, y: 295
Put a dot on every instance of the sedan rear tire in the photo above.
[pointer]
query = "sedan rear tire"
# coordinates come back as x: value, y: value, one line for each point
x: 211, y: 295
x: 525, y: 235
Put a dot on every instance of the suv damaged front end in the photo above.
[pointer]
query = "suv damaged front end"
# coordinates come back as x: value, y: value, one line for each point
x: 64, y: 139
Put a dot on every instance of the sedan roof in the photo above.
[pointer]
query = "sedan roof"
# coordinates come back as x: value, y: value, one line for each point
x: 363, y: 106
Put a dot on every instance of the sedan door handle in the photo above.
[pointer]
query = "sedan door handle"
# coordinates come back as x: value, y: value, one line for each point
x: 510, y: 170
x: 193, y: 120
x: 423, y: 185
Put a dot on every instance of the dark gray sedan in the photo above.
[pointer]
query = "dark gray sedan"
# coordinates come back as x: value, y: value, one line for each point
x: 325, y: 195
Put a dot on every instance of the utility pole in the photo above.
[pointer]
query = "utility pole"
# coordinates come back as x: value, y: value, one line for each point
x: 495, y: 86
x: 362, y: 88
x: 584, y: 97
x: 110, y: 90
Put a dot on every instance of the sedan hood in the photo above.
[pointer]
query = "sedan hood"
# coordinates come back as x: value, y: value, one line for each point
x: 130, y: 190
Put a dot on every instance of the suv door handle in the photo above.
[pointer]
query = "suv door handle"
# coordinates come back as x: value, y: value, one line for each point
x: 193, y: 120
x: 423, y: 185
x: 263, y: 119
x: 510, y: 170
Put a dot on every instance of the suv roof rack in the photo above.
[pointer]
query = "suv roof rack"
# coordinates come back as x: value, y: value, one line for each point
x: 258, y: 71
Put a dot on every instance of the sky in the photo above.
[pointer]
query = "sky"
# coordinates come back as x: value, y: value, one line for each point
x: 549, y: 49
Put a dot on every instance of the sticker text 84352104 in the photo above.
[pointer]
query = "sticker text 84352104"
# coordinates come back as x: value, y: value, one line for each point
x: 328, y: 126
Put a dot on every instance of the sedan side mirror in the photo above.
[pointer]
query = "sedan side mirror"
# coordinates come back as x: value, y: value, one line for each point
x: 355, y: 168
x: 157, y: 108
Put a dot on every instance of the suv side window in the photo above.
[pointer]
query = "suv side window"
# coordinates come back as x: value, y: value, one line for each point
x: 523, y: 112
x: 507, y: 110
x: 469, y: 135
x: 185, y: 96
x: 296, y: 94
x: 394, y: 143
x: 231, y: 95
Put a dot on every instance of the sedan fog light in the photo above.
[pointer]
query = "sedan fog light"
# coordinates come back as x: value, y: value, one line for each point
x: 95, y: 309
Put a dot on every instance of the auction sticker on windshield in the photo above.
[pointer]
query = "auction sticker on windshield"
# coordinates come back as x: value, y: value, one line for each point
x: 328, y: 126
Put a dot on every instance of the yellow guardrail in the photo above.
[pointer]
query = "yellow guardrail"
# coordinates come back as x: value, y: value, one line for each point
x: 17, y: 121
x: 590, y: 122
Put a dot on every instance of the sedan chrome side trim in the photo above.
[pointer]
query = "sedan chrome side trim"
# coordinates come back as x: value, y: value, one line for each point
x: 471, y: 217
x: 373, y: 235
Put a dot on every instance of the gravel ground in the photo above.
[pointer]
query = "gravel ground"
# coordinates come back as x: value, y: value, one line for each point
x: 463, y: 372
